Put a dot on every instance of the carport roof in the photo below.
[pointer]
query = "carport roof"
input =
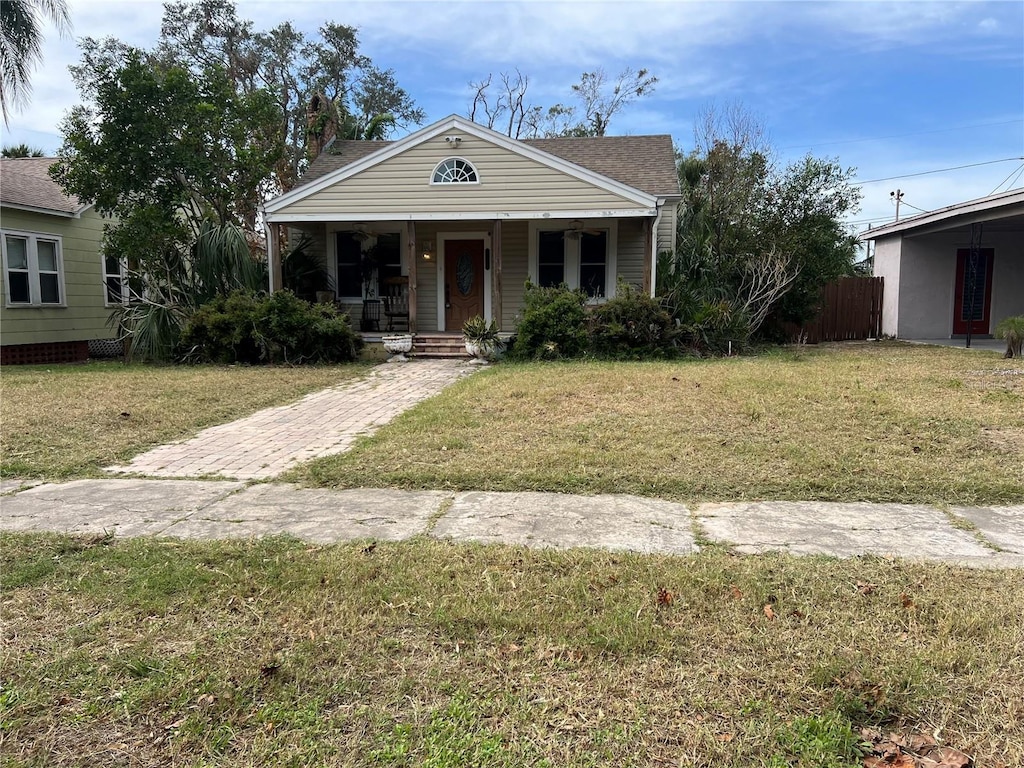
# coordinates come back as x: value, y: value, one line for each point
x: 1004, y: 205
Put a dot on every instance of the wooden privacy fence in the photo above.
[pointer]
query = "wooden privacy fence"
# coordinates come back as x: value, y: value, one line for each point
x: 851, y: 308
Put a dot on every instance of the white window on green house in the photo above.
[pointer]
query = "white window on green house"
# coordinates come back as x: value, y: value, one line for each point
x: 33, y: 274
x: 115, y: 281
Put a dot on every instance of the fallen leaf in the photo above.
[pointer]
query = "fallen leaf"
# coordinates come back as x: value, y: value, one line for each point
x: 665, y: 597
x: 866, y: 587
x: 768, y: 611
x: 735, y: 592
x: 907, y: 602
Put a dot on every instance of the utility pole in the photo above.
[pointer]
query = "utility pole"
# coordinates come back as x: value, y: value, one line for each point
x: 897, y: 196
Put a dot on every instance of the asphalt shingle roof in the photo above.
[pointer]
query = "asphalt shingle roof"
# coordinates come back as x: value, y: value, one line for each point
x: 24, y: 181
x: 647, y: 163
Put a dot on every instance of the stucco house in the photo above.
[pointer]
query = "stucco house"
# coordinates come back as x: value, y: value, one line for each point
x: 931, y: 290
x: 57, y: 289
x: 462, y: 216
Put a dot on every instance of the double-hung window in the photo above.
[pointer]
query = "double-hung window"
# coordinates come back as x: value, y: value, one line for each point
x: 349, y: 263
x: 115, y: 281
x: 33, y: 272
x: 580, y: 258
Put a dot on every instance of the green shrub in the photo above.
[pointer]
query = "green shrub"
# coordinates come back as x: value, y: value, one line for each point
x: 716, y: 327
x: 553, y: 324
x: 281, y: 328
x: 632, y: 326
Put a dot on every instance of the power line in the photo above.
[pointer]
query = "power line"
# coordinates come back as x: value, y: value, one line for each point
x: 1014, y: 171
x: 899, y: 135
x: 942, y: 170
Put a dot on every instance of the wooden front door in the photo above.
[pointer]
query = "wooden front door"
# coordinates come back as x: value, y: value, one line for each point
x: 973, y: 294
x: 463, y: 282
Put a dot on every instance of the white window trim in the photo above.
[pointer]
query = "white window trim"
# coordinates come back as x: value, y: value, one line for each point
x: 35, y: 300
x: 386, y: 228
x: 123, y: 267
x: 433, y: 173
x: 572, y: 253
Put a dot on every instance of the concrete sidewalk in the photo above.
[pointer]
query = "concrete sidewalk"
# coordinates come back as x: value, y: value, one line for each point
x: 193, y: 509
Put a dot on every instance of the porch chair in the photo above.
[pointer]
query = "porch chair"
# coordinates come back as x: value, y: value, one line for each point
x: 396, y: 301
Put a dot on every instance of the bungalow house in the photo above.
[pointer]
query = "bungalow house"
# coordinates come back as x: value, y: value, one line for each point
x: 57, y: 289
x: 954, y: 266
x: 460, y: 216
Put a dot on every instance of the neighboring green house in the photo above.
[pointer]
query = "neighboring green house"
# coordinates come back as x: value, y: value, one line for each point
x: 57, y: 290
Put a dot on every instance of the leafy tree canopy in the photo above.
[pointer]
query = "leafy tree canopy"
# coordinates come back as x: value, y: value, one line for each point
x: 762, y: 237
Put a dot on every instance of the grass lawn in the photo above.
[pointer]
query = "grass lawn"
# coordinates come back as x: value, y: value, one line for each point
x: 65, y: 421
x: 424, y: 653
x: 868, y: 422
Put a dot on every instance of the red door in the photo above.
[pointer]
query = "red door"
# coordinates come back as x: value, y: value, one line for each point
x: 972, y: 300
x: 463, y: 282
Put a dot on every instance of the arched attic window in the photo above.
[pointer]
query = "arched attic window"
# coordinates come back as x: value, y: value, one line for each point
x: 454, y: 170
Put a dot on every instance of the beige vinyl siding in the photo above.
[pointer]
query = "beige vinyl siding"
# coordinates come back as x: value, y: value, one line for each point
x: 631, y: 259
x: 508, y: 182
x: 667, y: 228
x: 514, y: 270
x: 85, y: 316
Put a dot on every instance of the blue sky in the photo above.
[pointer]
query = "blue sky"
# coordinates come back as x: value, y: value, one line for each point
x: 890, y: 88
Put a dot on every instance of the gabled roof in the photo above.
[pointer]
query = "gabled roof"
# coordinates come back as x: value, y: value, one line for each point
x: 641, y: 168
x: 995, y: 206
x: 26, y: 185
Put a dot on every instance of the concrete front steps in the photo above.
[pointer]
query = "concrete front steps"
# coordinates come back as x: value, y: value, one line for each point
x: 438, y: 345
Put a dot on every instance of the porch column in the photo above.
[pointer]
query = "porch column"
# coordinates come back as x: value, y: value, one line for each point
x: 413, y: 252
x: 496, y: 271
x: 649, y: 257
x: 272, y: 234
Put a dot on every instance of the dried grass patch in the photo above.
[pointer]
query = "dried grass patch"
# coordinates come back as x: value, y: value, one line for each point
x: 427, y: 653
x: 856, y: 422
x: 71, y: 420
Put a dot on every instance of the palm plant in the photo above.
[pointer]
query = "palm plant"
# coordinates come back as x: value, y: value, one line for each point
x: 21, y: 41
x: 170, y: 289
x: 1011, y: 329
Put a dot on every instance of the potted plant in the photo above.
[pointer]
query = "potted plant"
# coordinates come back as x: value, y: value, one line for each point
x: 1011, y: 329
x: 481, y: 338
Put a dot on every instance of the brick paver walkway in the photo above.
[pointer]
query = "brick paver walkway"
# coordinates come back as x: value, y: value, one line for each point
x: 267, y: 443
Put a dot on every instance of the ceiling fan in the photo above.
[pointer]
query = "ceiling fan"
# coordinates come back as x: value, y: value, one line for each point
x: 577, y: 228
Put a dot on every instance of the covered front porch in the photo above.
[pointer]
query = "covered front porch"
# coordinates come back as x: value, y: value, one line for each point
x: 430, y: 276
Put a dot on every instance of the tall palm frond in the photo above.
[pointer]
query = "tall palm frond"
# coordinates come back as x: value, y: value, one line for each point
x: 21, y: 46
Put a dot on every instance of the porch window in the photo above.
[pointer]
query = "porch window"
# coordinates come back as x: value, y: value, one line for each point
x: 33, y: 269
x: 454, y: 170
x: 389, y: 257
x: 350, y: 280
x: 593, y: 263
x: 581, y: 259
x: 550, y: 259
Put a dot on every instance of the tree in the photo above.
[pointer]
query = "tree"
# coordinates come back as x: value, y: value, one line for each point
x: 180, y: 161
x: 365, y: 99
x: 755, y: 237
x: 600, y: 99
x: 21, y: 150
x: 21, y: 42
